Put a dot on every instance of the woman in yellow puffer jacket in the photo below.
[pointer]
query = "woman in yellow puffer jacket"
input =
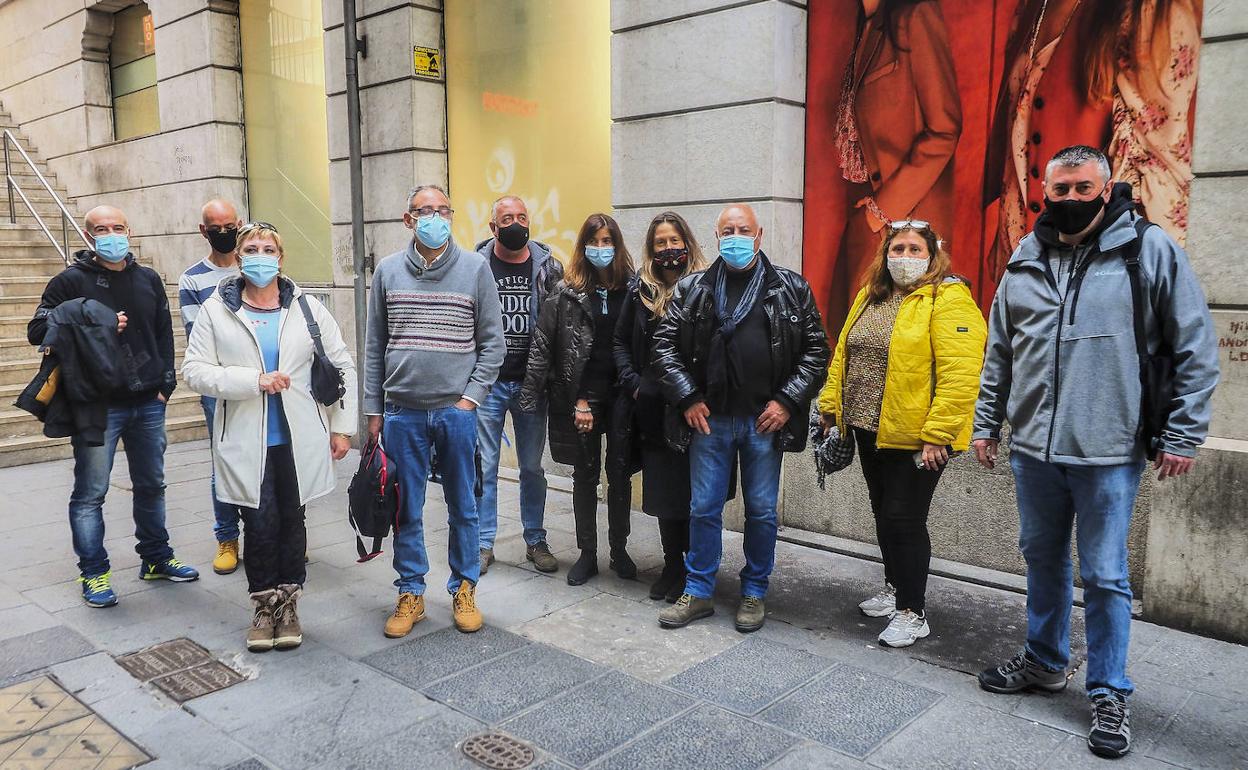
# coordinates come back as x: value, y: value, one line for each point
x: 903, y: 380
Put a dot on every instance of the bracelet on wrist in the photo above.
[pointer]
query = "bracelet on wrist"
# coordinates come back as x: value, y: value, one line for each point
x: 583, y: 411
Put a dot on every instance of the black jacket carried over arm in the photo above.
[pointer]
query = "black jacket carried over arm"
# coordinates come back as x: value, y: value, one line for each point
x: 799, y: 349
x: 146, y: 346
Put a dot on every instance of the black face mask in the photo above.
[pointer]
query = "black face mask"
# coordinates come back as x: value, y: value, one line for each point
x: 1071, y: 217
x: 671, y: 259
x: 514, y: 236
x: 223, y: 241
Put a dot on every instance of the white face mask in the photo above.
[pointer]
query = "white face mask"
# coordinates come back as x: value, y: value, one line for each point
x: 906, y: 271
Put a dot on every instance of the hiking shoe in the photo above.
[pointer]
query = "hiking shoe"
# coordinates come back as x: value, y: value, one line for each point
x: 585, y: 568
x: 487, y: 558
x: 904, y: 629
x: 1021, y: 673
x: 169, y: 569
x: 542, y: 558
x: 1110, y: 735
x: 687, y: 609
x: 287, y: 633
x: 750, y: 614
x: 464, y: 608
x: 672, y: 577
x: 881, y: 605
x: 97, y: 591
x: 409, y: 611
x: 260, y: 635
x: 227, y: 557
x: 622, y: 564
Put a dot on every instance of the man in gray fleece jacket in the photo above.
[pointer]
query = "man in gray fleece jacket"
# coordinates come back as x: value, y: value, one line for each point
x: 435, y: 345
x: 1063, y: 367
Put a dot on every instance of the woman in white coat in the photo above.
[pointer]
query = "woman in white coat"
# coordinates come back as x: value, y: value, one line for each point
x: 273, y: 443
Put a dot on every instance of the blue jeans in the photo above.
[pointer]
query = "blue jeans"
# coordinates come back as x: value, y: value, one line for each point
x: 1099, y: 501
x: 227, y: 514
x: 142, y: 427
x: 710, y: 464
x: 410, y: 436
x: 530, y: 430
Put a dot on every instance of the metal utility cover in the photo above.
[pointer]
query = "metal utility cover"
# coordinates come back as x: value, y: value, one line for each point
x: 181, y: 669
x: 41, y: 725
x: 498, y: 751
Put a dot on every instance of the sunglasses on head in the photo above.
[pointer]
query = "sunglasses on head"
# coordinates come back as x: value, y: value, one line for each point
x: 910, y: 224
x: 256, y: 226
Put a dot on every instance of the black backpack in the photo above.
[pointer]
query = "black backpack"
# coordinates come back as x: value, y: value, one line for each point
x: 373, y: 498
x: 1156, y: 369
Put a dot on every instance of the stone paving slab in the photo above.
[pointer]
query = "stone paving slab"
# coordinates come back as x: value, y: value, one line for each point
x: 432, y: 743
x: 812, y: 756
x: 705, y: 738
x: 87, y: 743
x: 39, y: 649
x: 850, y: 709
x: 442, y: 654
x: 1208, y: 732
x: 585, y: 723
x: 955, y: 735
x: 751, y: 675
x: 508, y: 684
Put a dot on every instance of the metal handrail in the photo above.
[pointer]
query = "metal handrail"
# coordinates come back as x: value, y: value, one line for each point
x: 12, y: 185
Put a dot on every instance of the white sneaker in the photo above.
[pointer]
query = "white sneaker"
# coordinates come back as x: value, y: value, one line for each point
x: 882, y: 604
x: 904, y: 629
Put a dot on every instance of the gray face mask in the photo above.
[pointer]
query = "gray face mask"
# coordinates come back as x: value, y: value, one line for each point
x: 906, y: 271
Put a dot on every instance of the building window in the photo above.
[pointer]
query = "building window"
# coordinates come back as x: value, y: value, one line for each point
x: 132, y: 65
x: 529, y: 113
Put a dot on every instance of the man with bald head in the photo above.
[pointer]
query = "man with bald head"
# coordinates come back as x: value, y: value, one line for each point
x: 219, y: 226
x: 740, y: 353
x: 108, y: 274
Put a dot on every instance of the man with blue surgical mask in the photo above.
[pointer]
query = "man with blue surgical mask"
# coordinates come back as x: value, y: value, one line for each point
x: 741, y: 353
x: 435, y: 346
x: 107, y: 273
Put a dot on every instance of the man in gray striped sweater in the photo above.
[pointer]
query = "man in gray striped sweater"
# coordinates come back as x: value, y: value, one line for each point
x: 435, y: 345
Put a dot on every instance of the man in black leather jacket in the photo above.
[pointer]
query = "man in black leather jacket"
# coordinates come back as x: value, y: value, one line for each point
x: 740, y: 354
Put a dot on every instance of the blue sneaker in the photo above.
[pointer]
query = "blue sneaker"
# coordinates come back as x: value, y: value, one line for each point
x: 97, y: 592
x: 169, y: 569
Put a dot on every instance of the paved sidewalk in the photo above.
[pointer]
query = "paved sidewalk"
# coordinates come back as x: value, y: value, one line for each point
x: 584, y: 675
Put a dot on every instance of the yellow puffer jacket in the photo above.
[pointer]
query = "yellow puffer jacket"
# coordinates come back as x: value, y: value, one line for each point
x: 934, y: 361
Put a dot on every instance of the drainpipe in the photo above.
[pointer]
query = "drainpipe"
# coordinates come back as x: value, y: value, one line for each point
x: 356, y: 164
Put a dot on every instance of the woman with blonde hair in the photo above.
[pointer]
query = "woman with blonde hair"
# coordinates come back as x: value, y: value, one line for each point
x: 252, y: 349
x: 670, y: 253
x: 571, y: 362
x: 904, y: 379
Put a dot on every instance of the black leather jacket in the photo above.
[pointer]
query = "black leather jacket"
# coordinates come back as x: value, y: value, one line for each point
x: 799, y: 349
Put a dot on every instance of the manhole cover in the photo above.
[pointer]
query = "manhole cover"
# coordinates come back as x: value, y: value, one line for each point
x: 498, y: 751
x: 181, y: 669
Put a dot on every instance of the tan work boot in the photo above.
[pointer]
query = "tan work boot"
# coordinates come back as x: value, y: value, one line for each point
x: 751, y: 614
x: 260, y: 635
x: 687, y: 609
x: 227, y: 557
x: 287, y: 633
x: 464, y: 608
x: 409, y: 611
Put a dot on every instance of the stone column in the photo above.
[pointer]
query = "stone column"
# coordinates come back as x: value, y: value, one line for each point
x: 1196, y: 573
x: 403, y: 129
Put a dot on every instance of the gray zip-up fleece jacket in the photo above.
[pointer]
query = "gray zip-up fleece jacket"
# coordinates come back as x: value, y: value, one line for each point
x: 1065, y: 372
x: 435, y: 334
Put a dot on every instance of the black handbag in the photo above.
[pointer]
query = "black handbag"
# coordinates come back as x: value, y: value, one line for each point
x: 1156, y: 369
x: 373, y: 499
x: 832, y: 452
x: 328, y: 384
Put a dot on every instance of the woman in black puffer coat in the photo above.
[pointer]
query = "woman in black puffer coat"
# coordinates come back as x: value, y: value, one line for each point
x: 571, y: 361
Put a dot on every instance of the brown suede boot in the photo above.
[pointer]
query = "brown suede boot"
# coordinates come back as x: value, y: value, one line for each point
x: 260, y: 635
x: 287, y: 633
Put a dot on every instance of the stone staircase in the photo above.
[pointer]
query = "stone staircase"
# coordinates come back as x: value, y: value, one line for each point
x: 27, y: 262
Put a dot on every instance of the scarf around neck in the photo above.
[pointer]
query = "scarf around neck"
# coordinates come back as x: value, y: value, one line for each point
x: 725, y: 370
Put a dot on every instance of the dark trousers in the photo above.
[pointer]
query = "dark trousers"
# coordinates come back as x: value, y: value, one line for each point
x: 276, y: 537
x: 901, y: 495
x: 585, y: 476
x: 674, y: 535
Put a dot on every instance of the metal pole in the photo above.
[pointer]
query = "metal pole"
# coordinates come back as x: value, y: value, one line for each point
x: 356, y: 164
x: 65, y: 233
x: 8, y: 180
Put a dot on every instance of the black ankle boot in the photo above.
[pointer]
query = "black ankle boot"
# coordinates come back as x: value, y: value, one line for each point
x: 622, y: 564
x: 678, y: 585
x: 585, y: 568
x: 673, y: 573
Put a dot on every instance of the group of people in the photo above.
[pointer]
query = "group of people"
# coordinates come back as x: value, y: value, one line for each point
x: 697, y: 370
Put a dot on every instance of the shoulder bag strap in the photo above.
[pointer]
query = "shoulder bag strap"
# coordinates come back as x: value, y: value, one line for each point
x: 314, y: 328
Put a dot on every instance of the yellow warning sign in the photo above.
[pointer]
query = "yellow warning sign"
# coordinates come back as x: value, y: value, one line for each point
x: 427, y: 62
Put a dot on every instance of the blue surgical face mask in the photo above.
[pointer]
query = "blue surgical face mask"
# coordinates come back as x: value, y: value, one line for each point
x: 112, y: 247
x: 600, y: 256
x: 259, y: 269
x: 433, y: 231
x: 737, y: 250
